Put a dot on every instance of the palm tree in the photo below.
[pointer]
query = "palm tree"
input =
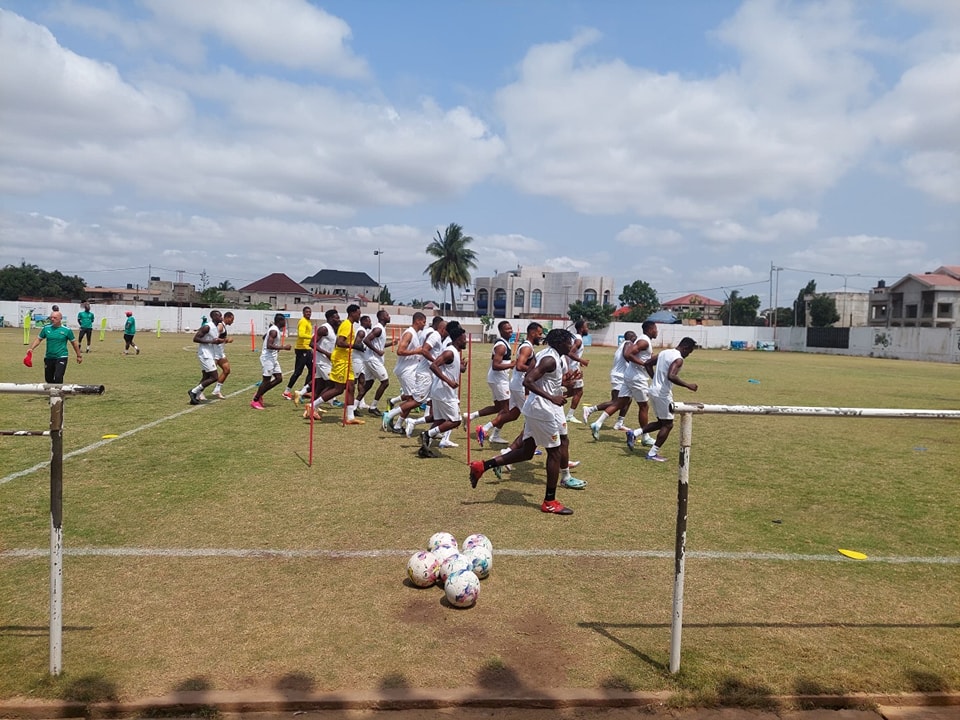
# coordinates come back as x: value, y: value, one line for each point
x: 453, y: 260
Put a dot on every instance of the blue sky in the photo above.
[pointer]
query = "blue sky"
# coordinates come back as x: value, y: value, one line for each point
x: 690, y: 144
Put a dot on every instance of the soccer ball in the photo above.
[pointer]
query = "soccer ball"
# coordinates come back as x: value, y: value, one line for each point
x: 445, y: 551
x: 462, y: 589
x: 478, y: 540
x: 452, y: 565
x: 423, y: 568
x: 441, y: 538
x: 480, y: 561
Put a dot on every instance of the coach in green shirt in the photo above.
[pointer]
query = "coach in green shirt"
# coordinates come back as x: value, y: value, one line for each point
x: 85, y: 320
x: 57, y: 355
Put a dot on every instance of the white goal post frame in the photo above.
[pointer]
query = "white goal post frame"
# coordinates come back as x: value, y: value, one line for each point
x: 56, y: 393
x: 686, y: 411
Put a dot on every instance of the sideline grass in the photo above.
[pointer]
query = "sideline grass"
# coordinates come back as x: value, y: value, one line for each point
x: 225, y: 476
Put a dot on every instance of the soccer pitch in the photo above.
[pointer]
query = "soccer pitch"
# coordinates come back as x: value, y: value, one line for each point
x: 203, y: 552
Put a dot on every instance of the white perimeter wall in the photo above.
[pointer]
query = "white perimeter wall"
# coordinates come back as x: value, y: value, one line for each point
x: 932, y: 344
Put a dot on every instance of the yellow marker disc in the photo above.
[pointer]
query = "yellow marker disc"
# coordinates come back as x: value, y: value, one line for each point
x: 109, y: 437
x: 853, y: 554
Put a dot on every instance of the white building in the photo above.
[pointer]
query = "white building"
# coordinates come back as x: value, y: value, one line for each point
x: 539, y: 292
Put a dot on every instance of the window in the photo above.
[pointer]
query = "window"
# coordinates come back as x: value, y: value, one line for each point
x: 536, y: 299
x: 518, y: 298
x: 911, y: 311
x: 589, y: 295
x: 606, y: 297
x: 944, y: 310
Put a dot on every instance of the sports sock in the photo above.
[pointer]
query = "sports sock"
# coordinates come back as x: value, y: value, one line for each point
x: 654, y: 451
x: 434, y: 432
x: 197, y: 390
x: 488, y: 427
x: 565, y: 473
x: 602, y: 419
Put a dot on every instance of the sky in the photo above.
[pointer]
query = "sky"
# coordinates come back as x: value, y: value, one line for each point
x: 693, y: 144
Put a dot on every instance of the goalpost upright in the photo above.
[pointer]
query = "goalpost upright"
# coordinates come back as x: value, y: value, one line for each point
x: 686, y: 411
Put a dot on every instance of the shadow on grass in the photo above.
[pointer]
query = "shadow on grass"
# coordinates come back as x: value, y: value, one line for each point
x: 506, y: 497
x: 927, y: 682
x: 37, y: 630
x: 89, y: 688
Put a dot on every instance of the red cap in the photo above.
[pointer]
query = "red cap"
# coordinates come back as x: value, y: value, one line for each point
x: 129, y: 313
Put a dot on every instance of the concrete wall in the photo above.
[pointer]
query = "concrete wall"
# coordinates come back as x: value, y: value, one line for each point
x: 931, y: 344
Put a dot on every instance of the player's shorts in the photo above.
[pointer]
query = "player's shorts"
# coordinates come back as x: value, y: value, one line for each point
x: 270, y: 365
x: 375, y: 369
x: 208, y: 363
x: 359, y: 361
x: 517, y: 398
x: 661, y: 406
x: 445, y: 409
x: 219, y: 352
x: 577, y: 383
x: 616, y: 382
x: 546, y: 432
x: 341, y: 372
x: 500, y: 389
x: 323, y: 370
x: 421, y: 387
x: 638, y: 392
x: 408, y: 382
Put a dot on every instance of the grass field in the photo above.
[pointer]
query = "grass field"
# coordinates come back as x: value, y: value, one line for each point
x: 203, y: 552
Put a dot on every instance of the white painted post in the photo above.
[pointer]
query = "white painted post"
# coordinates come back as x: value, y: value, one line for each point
x: 56, y: 533
x: 680, y: 551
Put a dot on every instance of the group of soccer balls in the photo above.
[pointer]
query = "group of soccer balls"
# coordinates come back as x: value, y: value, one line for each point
x: 458, y: 570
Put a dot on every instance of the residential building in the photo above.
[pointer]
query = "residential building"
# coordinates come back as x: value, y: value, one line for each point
x: 343, y: 283
x: 694, y: 307
x: 929, y: 299
x: 539, y: 292
x: 278, y: 290
x: 852, y: 307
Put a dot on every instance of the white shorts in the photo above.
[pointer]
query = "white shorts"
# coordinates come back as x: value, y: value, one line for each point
x: 323, y: 371
x: 616, y: 382
x: 271, y: 366
x: 545, y: 432
x: 421, y: 387
x: 578, y: 383
x: 408, y: 382
x: 661, y: 406
x: 445, y: 409
x: 517, y: 398
x: 640, y: 393
x: 359, y: 361
x: 219, y: 352
x: 208, y: 363
x: 375, y: 369
x: 500, y: 389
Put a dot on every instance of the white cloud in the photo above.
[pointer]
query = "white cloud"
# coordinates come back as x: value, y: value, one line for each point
x: 645, y: 237
x: 869, y: 254
x: 288, y: 33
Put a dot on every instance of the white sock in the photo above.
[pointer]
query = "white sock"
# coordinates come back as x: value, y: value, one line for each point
x: 565, y: 473
x: 434, y: 432
x: 446, y: 436
x: 488, y: 427
x: 619, y: 423
x: 654, y: 451
x: 197, y: 390
x: 474, y: 415
x: 349, y: 412
x: 391, y: 414
x: 396, y: 400
x: 602, y: 419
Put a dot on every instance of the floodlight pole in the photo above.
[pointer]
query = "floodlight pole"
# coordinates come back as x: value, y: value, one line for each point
x: 680, y: 550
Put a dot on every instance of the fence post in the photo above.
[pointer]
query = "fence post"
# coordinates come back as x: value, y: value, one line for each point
x: 680, y: 551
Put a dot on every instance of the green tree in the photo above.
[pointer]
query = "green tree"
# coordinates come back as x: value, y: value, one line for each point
x: 739, y: 310
x: 800, y: 307
x: 599, y: 316
x: 225, y: 286
x: 30, y: 281
x: 384, y: 298
x: 785, y: 317
x: 454, y: 260
x: 212, y: 296
x: 642, y: 300
x: 823, y: 311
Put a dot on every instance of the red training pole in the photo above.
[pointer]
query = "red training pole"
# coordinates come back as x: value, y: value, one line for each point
x: 469, y: 390
x: 253, y: 335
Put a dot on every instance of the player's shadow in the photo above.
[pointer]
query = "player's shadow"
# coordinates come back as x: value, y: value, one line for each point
x: 505, y: 496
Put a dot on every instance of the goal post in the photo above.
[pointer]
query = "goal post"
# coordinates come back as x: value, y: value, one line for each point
x: 56, y: 393
x: 686, y: 411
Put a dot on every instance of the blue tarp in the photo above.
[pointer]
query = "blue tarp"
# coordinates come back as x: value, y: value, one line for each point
x: 664, y: 316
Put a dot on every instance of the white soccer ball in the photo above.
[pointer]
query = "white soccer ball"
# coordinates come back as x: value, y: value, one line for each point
x: 477, y: 539
x: 441, y: 538
x: 454, y: 564
x: 462, y: 589
x: 481, y: 562
x: 445, y: 551
x: 423, y: 568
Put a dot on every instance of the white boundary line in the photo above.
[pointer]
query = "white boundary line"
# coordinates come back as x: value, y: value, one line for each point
x: 100, y: 443
x: 268, y: 554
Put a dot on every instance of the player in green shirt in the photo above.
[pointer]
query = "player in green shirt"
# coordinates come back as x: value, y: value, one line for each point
x: 129, y: 330
x: 57, y: 355
x: 85, y: 320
